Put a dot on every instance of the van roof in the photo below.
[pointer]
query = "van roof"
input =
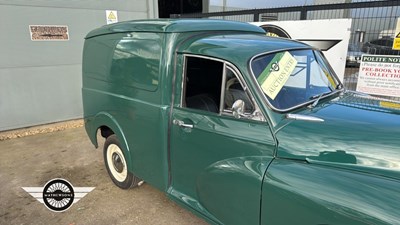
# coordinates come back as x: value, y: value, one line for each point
x: 244, y: 46
x: 174, y: 26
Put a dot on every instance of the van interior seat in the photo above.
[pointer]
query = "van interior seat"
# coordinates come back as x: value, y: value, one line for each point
x: 234, y: 91
x: 202, y: 102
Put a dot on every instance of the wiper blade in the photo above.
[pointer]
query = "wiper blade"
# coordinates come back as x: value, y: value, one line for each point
x: 318, y: 97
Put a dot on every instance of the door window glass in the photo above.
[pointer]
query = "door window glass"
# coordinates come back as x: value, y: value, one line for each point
x: 213, y: 86
x: 234, y: 91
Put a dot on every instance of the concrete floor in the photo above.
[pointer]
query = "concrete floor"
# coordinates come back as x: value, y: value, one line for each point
x: 32, y: 161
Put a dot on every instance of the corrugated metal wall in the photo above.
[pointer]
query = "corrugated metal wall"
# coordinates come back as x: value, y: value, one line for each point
x: 40, y: 81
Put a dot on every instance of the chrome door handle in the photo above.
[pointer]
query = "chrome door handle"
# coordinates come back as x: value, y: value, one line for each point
x: 182, y: 124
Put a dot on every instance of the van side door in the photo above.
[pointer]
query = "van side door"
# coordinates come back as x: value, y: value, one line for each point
x: 217, y: 160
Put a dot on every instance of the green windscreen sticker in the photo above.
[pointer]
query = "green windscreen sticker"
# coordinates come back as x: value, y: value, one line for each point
x: 275, y: 75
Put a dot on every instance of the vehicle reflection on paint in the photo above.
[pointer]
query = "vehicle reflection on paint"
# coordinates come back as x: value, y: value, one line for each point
x: 355, y: 131
x: 340, y: 156
x: 310, y: 189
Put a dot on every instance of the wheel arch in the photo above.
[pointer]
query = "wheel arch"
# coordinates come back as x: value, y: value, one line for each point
x: 108, y: 125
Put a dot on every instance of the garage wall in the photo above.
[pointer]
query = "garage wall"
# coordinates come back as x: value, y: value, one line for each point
x: 40, y: 81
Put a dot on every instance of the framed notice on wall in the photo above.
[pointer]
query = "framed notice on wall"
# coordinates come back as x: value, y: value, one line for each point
x: 49, y: 32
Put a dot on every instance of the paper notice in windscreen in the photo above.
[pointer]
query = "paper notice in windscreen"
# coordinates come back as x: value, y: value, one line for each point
x: 277, y: 73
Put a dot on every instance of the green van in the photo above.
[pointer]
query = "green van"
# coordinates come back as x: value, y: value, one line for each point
x: 238, y: 127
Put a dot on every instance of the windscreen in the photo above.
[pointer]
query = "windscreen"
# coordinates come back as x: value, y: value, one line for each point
x: 292, y: 78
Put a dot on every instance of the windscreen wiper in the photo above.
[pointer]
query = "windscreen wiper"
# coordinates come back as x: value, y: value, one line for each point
x: 318, y: 97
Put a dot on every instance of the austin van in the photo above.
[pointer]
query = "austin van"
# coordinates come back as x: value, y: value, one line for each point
x: 238, y: 127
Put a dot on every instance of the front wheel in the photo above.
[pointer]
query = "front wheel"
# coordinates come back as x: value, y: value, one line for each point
x: 116, y: 164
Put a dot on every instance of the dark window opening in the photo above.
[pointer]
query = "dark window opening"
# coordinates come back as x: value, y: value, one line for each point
x: 203, y: 84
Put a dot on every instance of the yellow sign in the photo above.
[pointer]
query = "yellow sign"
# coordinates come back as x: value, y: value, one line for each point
x: 396, y: 41
x: 111, y: 16
x: 276, y: 74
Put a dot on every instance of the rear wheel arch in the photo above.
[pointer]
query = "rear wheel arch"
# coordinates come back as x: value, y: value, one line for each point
x: 108, y: 126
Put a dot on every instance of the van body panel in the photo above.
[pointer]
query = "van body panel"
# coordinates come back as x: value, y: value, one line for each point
x: 187, y: 99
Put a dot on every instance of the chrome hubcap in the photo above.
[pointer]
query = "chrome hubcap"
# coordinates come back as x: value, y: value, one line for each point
x: 117, y: 162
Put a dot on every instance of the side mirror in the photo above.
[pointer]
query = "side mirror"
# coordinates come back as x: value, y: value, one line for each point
x: 238, y: 108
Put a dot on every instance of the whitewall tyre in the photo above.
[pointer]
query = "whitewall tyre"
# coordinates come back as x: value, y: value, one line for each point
x: 116, y: 164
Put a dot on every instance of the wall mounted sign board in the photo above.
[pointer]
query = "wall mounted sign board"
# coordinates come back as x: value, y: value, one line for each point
x: 49, y: 32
